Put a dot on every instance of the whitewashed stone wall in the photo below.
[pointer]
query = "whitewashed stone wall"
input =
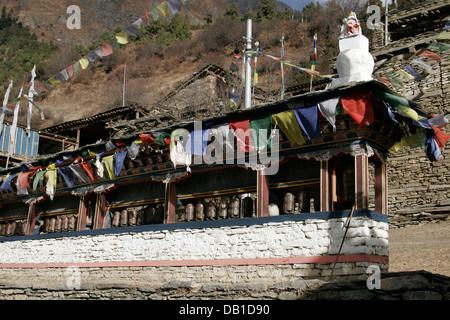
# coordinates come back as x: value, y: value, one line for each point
x: 301, y: 238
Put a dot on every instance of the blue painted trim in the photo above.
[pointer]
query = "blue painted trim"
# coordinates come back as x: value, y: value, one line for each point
x: 239, y: 222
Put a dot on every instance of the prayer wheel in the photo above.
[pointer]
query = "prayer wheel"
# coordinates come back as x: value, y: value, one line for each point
x: 140, y: 217
x: 222, y: 214
x: 23, y: 227
x: 199, y: 212
x: 72, y: 222
x: 288, y: 203
x: 247, y: 207
x: 58, y: 224
x: 116, y: 219
x: 13, y: 227
x: 123, y: 218
x: 45, y: 224
x: 189, y: 212
x: 65, y: 223
x: 8, y: 229
x: 52, y: 224
x: 149, y: 215
x: 2, y: 229
x: 132, y: 217
x: 211, y: 210
x: 304, y: 199
x: 233, y: 208
x: 159, y: 215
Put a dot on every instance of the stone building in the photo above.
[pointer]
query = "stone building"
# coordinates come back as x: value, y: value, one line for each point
x: 410, y: 33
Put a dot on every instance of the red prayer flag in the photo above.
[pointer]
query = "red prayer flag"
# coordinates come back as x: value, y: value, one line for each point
x: 242, y: 133
x: 359, y: 107
x: 87, y: 168
x: 440, y: 137
x: 146, y: 139
x: 107, y: 49
x: 431, y: 55
x: 70, y: 71
x: 146, y: 17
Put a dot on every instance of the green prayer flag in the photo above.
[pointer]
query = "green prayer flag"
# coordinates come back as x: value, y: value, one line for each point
x: 261, y: 140
x: 154, y: 14
x: 76, y: 68
x: 160, y: 139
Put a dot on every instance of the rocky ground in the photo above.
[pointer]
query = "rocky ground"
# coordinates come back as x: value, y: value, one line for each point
x: 421, y: 247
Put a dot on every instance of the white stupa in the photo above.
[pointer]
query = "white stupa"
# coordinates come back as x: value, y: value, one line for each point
x: 354, y: 62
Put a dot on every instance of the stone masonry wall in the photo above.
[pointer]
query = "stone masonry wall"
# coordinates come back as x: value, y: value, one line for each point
x: 418, y: 186
x: 256, y: 250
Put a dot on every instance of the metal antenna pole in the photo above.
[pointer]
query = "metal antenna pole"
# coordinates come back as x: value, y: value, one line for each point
x: 248, y: 70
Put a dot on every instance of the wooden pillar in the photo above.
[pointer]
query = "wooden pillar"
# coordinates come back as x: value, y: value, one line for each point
x: 31, y: 219
x: 324, y: 186
x: 361, y: 182
x: 381, y: 188
x: 262, y: 194
x: 82, y: 214
x: 100, y: 211
x: 170, y: 202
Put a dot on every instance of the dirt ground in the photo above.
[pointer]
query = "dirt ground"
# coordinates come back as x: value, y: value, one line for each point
x: 422, y: 247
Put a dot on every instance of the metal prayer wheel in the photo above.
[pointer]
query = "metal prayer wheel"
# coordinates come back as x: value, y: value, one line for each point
x: 189, y: 212
x: 132, y: 214
x: 149, y: 214
x: 140, y: 217
x: 2, y: 229
x: 123, y: 218
x: 58, y: 224
x: 8, y: 229
x: 159, y: 214
x: 72, y: 222
x: 45, y: 225
x: 288, y: 203
x: 304, y: 199
x: 223, y: 205
x: 247, y: 207
x: 211, y: 210
x: 52, y: 225
x: 199, y: 212
x: 65, y: 223
x: 233, y: 208
x: 115, y: 219
x: 24, y: 227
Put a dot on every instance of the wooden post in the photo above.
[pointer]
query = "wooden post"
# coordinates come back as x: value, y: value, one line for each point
x: 31, y: 219
x: 262, y: 194
x: 381, y: 188
x: 82, y: 214
x: 324, y: 186
x: 361, y: 182
x: 170, y: 203
x: 100, y: 212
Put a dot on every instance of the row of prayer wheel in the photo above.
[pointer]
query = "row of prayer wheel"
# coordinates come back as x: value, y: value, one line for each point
x: 304, y: 202
x: 138, y: 216
x: 221, y: 210
x: 60, y: 223
x: 13, y: 228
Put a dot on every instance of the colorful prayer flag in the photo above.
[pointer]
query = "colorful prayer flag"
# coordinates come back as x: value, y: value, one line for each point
x: 174, y: 6
x: 146, y: 17
x: 430, y: 55
x: 154, y: 14
x: 163, y: 9
x: 122, y: 37
x: 359, y: 107
x: 84, y: 62
x: 242, y: 134
x: 70, y: 71
x: 287, y: 122
x: 308, y: 119
x: 314, y: 58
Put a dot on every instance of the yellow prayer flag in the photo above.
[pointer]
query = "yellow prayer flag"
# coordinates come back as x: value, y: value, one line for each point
x: 91, y: 153
x: 287, y: 122
x: 122, y: 37
x: 402, y: 72
x: 108, y: 164
x: 54, y: 81
x: 163, y: 9
x: 444, y: 35
x: 407, y: 111
x: 84, y: 62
